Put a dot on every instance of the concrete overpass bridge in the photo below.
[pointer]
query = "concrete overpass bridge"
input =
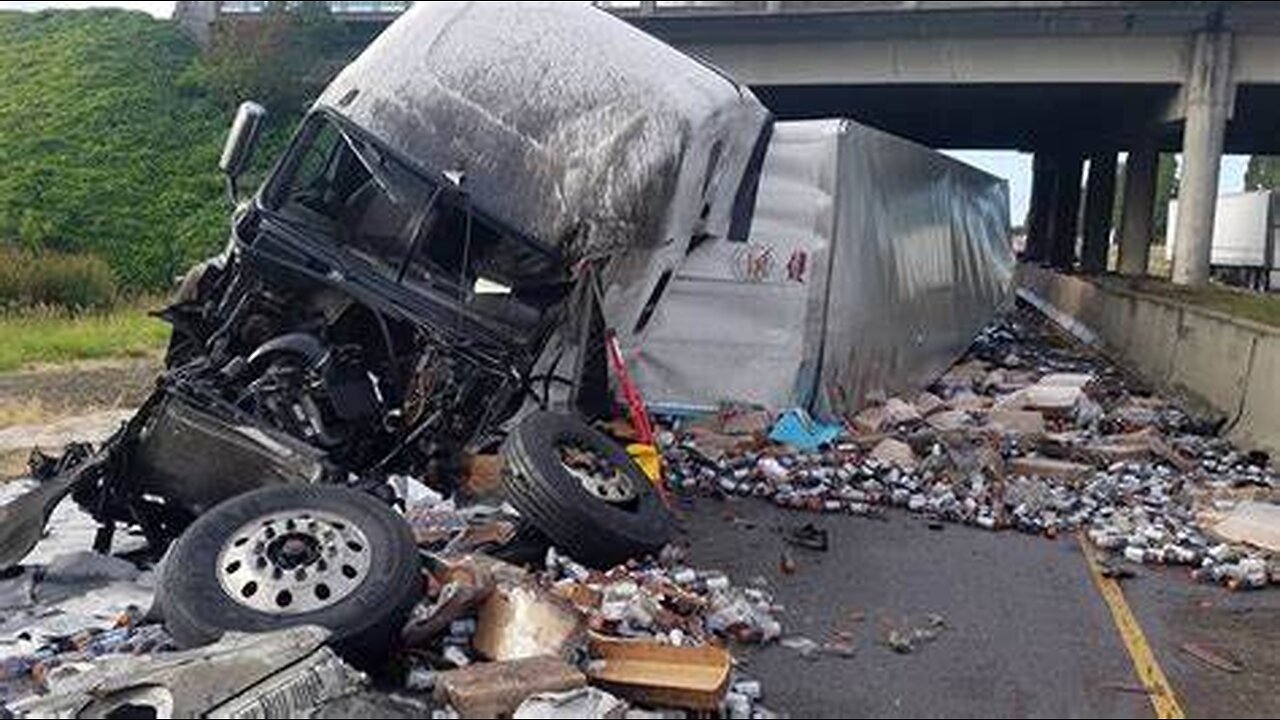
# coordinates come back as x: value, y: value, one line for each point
x: 1065, y: 81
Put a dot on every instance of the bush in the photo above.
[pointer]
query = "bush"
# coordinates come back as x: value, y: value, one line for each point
x: 282, y: 59
x: 73, y: 282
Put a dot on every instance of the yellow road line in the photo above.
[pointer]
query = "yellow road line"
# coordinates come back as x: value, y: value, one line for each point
x: 1144, y: 660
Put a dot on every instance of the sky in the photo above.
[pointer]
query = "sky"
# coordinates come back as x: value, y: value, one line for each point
x: 159, y: 9
x: 1016, y: 168
x: 1012, y: 166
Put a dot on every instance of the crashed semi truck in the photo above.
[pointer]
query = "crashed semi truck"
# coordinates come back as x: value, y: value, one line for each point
x: 430, y: 270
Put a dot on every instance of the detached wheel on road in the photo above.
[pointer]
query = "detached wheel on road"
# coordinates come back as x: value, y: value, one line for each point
x: 293, y: 555
x: 583, y: 491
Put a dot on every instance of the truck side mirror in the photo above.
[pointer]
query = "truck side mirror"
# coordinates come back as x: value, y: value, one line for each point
x: 241, y: 140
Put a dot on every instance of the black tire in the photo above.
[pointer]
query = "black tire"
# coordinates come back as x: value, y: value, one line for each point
x: 590, y: 530
x: 527, y: 547
x: 365, y: 624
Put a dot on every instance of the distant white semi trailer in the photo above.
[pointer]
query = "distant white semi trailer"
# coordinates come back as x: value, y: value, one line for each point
x: 1244, y: 239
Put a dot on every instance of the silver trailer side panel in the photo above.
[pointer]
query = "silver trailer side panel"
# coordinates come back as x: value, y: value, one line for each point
x: 742, y: 321
x: 922, y: 262
x: 871, y: 264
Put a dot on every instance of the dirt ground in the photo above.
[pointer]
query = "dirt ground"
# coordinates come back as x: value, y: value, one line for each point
x: 96, y: 393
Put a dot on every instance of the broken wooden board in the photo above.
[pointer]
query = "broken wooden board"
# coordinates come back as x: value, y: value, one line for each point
x: 694, y: 678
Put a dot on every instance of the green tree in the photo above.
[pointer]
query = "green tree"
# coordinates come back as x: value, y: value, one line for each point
x: 1263, y: 173
x: 281, y: 59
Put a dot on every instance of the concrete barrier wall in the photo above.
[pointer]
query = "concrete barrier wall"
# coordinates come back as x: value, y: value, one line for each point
x: 1225, y: 364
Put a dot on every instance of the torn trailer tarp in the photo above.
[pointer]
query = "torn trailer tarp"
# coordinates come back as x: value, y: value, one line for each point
x: 569, y: 125
x: 870, y: 265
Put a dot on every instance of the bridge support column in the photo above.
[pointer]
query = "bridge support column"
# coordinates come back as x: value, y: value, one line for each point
x: 1138, y: 216
x: 1099, y: 201
x: 1041, y: 199
x: 1065, y: 210
x: 1208, y: 95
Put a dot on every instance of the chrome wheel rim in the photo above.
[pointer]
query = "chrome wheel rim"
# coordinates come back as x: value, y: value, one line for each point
x: 293, y: 561
x: 597, y: 475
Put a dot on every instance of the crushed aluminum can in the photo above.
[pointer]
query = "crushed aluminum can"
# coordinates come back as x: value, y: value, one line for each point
x: 737, y: 706
x: 420, y: 679
x: 749, y: 688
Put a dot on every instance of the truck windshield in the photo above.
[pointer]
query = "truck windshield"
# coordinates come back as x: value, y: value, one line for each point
x: 409, y: 228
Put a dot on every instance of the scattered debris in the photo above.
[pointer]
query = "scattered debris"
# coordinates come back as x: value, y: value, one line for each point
x: 895, y: 452
x: 496, y: 689
x: 482, y: 475
x: 1054, y: 444
x: 796, y: 428
x: 459, y: 586
x: 1058, y: 442
x: 523, y: 621
x: 900, y: 412
x: 809, y: 536
x: 870, y: 421
x: 1211, y: 658
x: 1117, y: 571
x: 291, y: 672
x: 950, y: 420
x: 481, y: 609
x: 787, y: 563
x: 1016, y: 423
x: 900, y: 641
x: 807, y: 648
x: 585, y: 702
x: 905, y: 640
x: 745, y: 421
x: 1251, y: 523
x: 1035, y: 466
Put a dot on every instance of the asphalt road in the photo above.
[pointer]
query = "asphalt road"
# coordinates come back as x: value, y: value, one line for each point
x: 1243, y: 628
x: 1026, y: 633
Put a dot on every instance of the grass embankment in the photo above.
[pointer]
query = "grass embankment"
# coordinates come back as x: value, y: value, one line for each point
x: 1258, y: 307
x: 37, y: 336
x: 106, y: 150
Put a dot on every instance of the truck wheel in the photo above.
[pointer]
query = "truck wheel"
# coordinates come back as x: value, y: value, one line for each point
x: 583, y: 491
x: 293, y: 555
